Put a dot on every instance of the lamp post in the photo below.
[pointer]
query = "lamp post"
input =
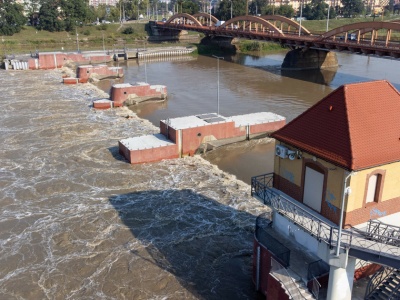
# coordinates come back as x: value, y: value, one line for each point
x: 210, y: 13
x: 77, y: 39
x: 346, y: 191
x: 301, y: 15
x: 327, y: 19
x: 218, y: 58
x: 231, y: 9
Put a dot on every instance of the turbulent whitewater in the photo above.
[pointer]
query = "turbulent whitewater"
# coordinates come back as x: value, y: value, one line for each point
x: 78, y: 222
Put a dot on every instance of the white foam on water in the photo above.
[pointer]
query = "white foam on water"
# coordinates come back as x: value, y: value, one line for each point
x: 77, y: 221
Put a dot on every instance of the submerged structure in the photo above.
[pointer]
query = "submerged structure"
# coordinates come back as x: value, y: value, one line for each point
x: 184, y: 136
x: 86, y: 72
x: 131, y: 94
x: 54, y: 60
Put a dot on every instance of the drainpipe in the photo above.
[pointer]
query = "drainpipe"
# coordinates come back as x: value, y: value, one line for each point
x: 346, y: 191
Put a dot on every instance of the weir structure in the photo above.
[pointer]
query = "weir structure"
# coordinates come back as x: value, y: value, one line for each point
x: 184, y: 136
x: 370, y: 38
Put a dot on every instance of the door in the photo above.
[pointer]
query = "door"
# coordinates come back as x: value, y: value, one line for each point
x: 313, y: 188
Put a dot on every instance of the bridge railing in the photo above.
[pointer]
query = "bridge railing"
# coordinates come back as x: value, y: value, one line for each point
x: 262, y: 187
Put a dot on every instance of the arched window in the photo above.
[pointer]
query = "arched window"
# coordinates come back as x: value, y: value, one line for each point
x: 374, y: 187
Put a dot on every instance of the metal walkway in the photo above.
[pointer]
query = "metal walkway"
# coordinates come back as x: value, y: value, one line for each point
x: 379, y: 245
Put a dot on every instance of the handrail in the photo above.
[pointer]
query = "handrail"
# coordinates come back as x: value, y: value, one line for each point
x: 262, y: 186
x: 277, y: 269
x: 317, y: 268
x: 376, y: 280
x: 315, y: 287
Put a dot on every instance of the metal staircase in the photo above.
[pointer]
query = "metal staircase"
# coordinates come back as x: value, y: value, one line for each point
x: 294, y: 289
x: 384, y: 285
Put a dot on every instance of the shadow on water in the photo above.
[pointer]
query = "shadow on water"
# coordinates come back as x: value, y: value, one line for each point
x: 115, y: 153
x: 205, y: 245
x: 318, y: 76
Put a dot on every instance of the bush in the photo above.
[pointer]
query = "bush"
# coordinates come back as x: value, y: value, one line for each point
x: 128, y: 30
x: 86, y: 32
x: 252, y: 46
x: 102, y: 27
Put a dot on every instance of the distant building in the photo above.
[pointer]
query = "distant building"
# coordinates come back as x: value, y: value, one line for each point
x: 96, y: 3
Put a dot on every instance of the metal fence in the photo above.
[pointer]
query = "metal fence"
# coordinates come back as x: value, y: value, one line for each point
x: 376, y: 245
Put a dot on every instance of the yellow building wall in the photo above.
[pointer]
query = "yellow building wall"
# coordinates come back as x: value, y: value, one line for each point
x: 292, y: 170
x: 391, y: 185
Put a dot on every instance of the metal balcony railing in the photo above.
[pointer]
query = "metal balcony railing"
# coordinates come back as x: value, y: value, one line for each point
x: 376, y: 245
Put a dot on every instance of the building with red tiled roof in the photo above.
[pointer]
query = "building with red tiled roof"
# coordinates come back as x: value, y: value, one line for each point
x: 335, y: 188
x: 355, y: 127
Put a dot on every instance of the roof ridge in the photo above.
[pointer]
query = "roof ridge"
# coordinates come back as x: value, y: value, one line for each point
x: 348, y: 128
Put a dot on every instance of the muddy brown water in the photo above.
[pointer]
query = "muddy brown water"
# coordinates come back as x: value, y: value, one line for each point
x: 247, y: 84
x: 78, y: 222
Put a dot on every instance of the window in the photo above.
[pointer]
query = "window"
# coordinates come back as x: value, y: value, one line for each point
x: 374, y: 188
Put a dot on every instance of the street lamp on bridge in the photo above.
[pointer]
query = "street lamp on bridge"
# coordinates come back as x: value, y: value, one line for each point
x: 218, y: 58
x: 231, y: 9
x: 301, y: 15
x: 327, y: 19
x: 210, y: 14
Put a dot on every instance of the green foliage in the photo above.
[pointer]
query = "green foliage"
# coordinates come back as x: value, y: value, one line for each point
x: 86, y: 32
x: 11, y: 17
x: 49, y: 18
x: 316, y: 10
x: 190, y: 7
x: 128, y: 30
x: 224, y: 10
x: 102, y: 27
x: 352, y: 8
x: 286, y: 11
x: 254, y: 46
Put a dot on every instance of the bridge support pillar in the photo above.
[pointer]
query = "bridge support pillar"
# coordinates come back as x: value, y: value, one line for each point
x: 219, y: 41
x: 340, y: 283
x: 304, y: 58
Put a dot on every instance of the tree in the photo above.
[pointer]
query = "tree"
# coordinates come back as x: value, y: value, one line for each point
x: 286, y: 11
x: 49, y: 17
x: 352, y: 8
x: 74, y: 12
x: 11, y: 17
x: 190, y: 7
x: 224, y: 9
x: 316, y: 10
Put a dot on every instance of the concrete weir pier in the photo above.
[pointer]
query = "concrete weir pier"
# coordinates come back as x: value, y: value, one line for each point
x: 183, y: 136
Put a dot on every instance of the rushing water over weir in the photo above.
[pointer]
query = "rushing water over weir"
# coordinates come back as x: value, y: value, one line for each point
x: 78, y: 222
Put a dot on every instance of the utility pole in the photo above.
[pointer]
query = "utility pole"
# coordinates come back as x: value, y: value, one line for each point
x: 301, y: 15
x: 327, y: 19
x: 218, y: 58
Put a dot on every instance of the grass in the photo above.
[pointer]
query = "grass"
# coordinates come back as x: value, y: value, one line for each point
x: 248, y: 46
x: 90, y: 37
x: 108, y: 35
x: 319, y: 26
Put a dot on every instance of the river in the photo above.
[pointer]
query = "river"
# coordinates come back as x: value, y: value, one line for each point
x: 78, y: 222
x: 248, y: 84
